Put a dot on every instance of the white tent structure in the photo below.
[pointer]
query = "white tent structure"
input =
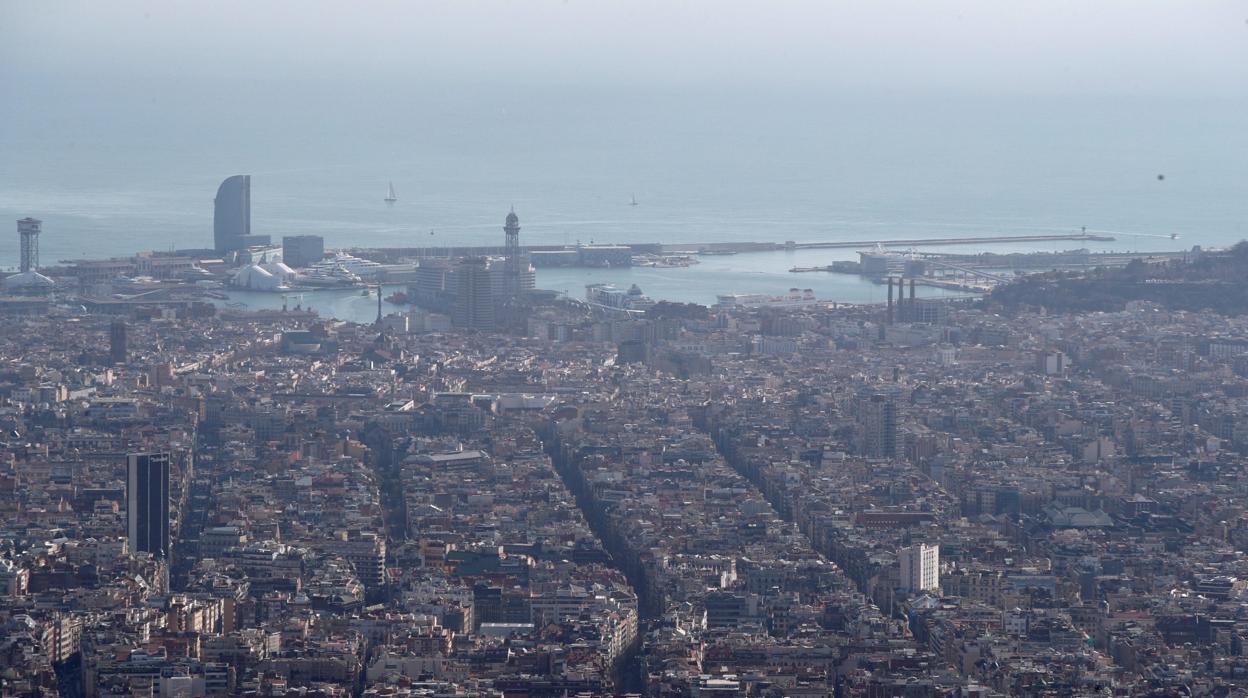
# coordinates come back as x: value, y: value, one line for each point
x: 254, y: 277
x: 28, y: 282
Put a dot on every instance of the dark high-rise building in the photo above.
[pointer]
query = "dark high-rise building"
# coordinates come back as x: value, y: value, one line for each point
x: 302, y: 250
x: 231, y: 219
x: 474, y: 295
x: 117, y: 350
x: 147, y: 503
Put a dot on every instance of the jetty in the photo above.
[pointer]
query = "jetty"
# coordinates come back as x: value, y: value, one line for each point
x: 929, y: 242
x: 719, y: 248
x: 737, y: 247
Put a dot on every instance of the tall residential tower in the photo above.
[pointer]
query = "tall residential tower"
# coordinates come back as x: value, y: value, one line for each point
x: 877, y: 413
x: 474, y: 295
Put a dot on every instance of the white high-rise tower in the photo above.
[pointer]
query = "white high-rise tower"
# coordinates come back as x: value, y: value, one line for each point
x: 920, y: 567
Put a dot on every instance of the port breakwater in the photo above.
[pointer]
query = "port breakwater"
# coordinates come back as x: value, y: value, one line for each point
x: 396, y: 253
x: 883, y: 242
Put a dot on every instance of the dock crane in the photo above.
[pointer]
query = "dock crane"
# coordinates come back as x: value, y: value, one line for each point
x: 296, y: 296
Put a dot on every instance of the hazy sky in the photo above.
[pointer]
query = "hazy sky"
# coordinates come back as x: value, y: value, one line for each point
x: 1189, y: 47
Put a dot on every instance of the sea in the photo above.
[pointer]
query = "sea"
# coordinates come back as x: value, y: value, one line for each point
x: 116, y: 167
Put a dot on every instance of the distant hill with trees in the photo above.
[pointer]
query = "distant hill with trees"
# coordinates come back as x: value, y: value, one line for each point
x: 1216, y: 281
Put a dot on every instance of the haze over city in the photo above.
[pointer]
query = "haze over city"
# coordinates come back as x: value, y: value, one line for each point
x: 672, y: 349
x: 735, y: 120
x: 1153, y: 47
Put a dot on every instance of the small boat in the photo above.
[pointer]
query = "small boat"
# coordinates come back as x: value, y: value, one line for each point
x: 391, y: 197
x: 634, y: 201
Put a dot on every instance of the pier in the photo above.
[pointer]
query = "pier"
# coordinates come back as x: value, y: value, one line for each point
x: 928, y: 242
x: 739, y: 247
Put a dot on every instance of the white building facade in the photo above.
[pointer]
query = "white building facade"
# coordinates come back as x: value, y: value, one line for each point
x: 920, y: 567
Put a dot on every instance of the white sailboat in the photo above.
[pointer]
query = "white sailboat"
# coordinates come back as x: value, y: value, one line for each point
x: 634, y: 201
x: 391, y: 197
